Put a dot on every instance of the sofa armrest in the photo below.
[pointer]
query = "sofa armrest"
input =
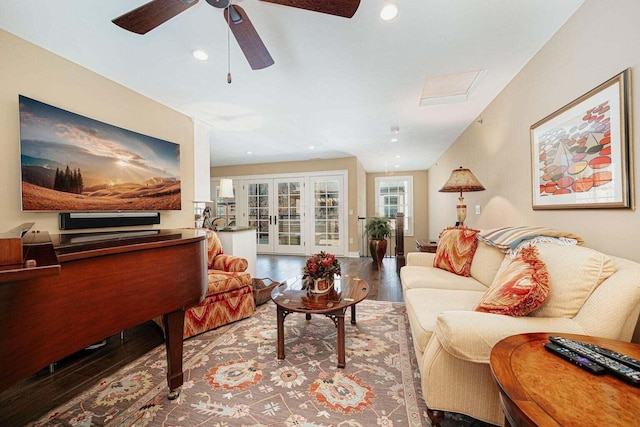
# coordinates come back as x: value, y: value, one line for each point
x: 229, y: 263
x: 421, y: 259
x: 470, y: 335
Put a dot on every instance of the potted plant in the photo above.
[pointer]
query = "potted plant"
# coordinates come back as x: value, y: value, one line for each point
x: 378, y: 229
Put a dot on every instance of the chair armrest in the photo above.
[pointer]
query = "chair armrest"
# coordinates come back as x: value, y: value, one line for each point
x: 230, y: 263
x: 470, y: 335
x: 421, y: 259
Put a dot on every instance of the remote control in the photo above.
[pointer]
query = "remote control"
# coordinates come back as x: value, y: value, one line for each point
x: 624, y: 372
x: 575, y: 358
x: 622, y: 358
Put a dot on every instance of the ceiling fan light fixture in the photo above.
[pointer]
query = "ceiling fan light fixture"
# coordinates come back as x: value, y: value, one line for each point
x: 389, y: 12
x: 200, y: 54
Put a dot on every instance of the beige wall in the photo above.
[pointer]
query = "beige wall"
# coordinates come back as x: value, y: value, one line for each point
x: 350, y: 164
x: 34, y: 72
x: 599, y: 41
x: 420, y: 204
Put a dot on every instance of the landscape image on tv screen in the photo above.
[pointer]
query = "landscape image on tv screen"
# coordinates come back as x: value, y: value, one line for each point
x: 73, y: 163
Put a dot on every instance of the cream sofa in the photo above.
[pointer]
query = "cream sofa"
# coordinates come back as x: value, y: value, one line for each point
x: 453, y: 342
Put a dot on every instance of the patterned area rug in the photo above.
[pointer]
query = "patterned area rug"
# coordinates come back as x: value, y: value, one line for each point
x: 232, y: 378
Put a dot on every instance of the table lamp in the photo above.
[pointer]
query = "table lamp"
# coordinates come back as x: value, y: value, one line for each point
x: 461, y: 180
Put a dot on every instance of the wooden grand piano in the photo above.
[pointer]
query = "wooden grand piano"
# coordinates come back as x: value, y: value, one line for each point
x: 72, y: 290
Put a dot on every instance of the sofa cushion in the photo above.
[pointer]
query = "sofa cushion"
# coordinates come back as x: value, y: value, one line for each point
x: 574, y: 273
x: 520, y: 287
x: 413, y: 277
x: 424, y: 305
x: 471, y: 335
x: 486, y: 262
x: 455, y: 250
x: 221, y: 281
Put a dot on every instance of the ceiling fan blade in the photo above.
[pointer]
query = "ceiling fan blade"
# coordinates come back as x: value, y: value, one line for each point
x: 150, y: 15
x: 248, y: 39
x: 344, y: 8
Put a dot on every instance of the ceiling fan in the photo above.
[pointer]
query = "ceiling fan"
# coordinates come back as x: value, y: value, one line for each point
x: 151, y: 15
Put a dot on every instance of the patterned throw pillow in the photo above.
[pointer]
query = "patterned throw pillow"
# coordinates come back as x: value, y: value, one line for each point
x: 214, y: 247
x: 520, y: 287
x: 455, y: 250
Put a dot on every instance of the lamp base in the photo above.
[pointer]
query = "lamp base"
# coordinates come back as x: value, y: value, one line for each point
x: 461, y: 210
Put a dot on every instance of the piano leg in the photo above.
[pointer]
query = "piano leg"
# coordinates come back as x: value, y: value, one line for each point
x: 173, y: 327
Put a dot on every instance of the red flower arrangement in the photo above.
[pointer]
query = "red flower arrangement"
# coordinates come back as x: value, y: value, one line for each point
x: 321, y: 266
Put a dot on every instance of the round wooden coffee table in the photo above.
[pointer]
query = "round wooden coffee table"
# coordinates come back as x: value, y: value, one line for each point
x: 538, y: 388
x: 291, y: 298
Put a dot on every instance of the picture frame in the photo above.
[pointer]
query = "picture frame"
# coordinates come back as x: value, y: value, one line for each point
x: 581, y: 155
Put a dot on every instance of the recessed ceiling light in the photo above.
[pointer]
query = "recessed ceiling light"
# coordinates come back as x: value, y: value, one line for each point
x: 397, y: 166
x: 249, y: 152
x: 388, y: 12
x: 394, y: 139
x: 398, y: 156
x: 200, y: 55
x: 311, y: 147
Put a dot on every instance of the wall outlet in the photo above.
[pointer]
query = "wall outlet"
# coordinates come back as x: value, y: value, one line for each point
x: 477, y: 209
x: 350, y: 240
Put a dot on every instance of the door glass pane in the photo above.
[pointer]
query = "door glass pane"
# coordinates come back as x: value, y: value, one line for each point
x: 258, y: 211
x: 327, y: 202
x: 289, y: 215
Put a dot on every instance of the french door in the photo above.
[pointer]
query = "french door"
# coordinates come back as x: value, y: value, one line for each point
x: 275, y: 209
x: 328, y: 224
x: 291, y: 213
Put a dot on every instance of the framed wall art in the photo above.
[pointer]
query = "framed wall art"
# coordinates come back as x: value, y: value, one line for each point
x: 581, y: 155
x: 73, y: 163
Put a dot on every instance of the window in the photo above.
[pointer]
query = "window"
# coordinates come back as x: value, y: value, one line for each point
x: 395, y: 194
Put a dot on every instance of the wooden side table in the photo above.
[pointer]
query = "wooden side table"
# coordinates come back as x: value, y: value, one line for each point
x: 424, y: 245
x: 538, y: 388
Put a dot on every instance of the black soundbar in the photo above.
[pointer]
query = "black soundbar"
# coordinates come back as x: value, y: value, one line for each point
x: 76, y: 220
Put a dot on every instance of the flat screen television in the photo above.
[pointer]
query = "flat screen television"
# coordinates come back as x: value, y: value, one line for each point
x: 73, y: 163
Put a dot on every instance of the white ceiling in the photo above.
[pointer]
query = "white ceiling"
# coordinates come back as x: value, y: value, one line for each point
x: 338, y: 84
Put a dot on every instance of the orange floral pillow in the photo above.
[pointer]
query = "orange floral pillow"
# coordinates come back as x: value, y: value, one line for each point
x: 455, y: 250
x: 519, y: 288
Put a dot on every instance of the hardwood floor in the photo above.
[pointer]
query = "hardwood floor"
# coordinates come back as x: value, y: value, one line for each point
x: 383, y: 285
x: 37, y: 395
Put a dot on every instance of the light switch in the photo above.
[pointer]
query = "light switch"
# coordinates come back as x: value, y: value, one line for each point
x: 477, y: 209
